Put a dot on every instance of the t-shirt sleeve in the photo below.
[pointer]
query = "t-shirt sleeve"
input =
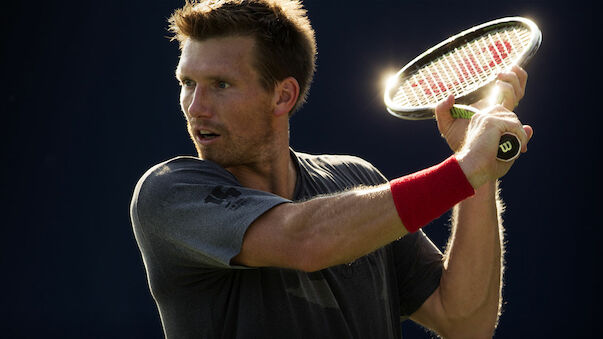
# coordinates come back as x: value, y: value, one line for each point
x: 194, y: 213
x: 419, y: 269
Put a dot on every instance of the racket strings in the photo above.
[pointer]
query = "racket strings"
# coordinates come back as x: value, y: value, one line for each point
x: 463, y: 69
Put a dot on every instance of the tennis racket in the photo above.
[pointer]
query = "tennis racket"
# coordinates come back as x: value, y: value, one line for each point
x: 465, y: 65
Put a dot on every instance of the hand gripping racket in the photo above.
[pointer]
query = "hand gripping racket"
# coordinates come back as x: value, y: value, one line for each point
x: 465, y: 65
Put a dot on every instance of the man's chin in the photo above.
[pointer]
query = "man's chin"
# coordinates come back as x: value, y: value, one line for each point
x: 212, y: 157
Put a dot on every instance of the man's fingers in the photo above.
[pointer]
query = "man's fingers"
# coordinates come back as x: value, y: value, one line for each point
x: 507, y: 122
x: 529, y: 133
x: 510, y: 80
x: 442, y: 113
x: 506, y: 95
x: 511, y: 86
x: 513, y: 125
x: 522, y: 75
x: 445, y: 105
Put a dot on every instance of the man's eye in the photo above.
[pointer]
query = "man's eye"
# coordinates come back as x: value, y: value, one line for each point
x: 222, y: 84
x: 187, y: 83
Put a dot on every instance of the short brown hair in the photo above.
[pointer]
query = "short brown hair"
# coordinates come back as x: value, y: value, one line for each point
x: 285, y: 40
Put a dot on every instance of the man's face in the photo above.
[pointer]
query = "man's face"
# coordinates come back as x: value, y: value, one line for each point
x: 228, y: 112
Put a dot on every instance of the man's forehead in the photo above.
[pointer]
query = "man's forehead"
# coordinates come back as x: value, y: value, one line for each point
x: 226, y: 48
x: 217, y: 54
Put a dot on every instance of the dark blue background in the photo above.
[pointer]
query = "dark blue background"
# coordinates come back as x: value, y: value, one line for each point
x: 89, y: 102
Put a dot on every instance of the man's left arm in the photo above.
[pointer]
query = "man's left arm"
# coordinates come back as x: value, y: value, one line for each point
x: 467, y: 302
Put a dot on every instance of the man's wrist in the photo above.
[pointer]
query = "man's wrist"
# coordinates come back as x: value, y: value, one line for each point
x: 425, y: 195
x: 473, y: 172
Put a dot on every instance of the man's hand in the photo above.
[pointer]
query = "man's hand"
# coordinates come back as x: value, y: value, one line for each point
x: 511, y: 89
x: 476, y: 140
x: 477, y: 157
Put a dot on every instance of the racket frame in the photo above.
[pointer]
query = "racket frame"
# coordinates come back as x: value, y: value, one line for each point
x: 427, y: 112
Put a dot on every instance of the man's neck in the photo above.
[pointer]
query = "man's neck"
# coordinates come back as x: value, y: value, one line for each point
x: 276, y: 174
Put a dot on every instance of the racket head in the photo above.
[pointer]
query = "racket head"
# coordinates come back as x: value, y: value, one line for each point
x: 465, y: 65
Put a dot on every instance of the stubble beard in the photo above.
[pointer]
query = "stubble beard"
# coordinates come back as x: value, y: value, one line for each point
x: 235, y: 150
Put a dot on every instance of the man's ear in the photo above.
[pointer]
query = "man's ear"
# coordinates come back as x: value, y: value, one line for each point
x: 285, y: 96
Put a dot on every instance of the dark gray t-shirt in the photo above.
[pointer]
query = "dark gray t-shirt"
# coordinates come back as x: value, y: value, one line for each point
x: 189, y: 217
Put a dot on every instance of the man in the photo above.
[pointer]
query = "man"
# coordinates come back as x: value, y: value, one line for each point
x: 254, y: 240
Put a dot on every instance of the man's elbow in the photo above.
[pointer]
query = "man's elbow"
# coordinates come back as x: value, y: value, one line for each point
x: 312, y: 255
x: 461, y: 332
x: 472, y: 327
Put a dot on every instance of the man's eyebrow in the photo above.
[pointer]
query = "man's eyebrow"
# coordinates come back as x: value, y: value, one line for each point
x: 179, y: 76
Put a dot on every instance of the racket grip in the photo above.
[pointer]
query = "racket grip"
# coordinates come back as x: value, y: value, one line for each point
x: 509, y: 146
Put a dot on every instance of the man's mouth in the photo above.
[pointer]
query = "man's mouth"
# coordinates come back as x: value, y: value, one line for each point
x: 204, y: 135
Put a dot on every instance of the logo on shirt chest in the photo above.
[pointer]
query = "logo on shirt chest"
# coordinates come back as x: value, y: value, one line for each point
x: 228, y: 197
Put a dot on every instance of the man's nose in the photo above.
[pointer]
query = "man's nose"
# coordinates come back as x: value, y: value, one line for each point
x: 199, y: 104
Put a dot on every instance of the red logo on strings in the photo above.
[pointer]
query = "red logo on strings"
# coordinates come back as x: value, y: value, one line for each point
x: 466, y: 67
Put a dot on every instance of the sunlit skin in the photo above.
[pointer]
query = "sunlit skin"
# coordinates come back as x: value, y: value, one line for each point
x: 223, y: 101
x: 231, y: 118
x: 241, y: 126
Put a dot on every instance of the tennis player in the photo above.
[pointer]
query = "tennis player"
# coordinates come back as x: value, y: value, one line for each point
x: 252, y: 239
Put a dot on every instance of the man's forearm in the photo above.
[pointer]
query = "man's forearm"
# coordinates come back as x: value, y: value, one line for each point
x: 351, y: 224
x: 471, y: 282
x: 323, y: 231
x: 336, y: 229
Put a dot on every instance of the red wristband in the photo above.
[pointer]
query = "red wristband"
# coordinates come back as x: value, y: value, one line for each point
x: 425, y: 195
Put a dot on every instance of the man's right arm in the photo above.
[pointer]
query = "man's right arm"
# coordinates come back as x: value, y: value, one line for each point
x: 322, y: 232
x: 340, y: 228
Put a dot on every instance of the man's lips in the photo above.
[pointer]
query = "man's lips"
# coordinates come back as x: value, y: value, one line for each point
x: 204, y: 136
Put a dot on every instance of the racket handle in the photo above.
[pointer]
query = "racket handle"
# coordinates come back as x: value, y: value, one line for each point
x: 509, y: 146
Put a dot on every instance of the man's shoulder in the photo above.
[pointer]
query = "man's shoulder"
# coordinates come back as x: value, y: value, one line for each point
x: 184, y: 168
x: 335, y: 161
x: 166, y: 177
x: 181, y: 163
x: 348, y: 168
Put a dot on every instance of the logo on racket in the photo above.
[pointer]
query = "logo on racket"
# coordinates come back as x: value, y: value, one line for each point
x: 466, y: 64
x: 506, y: 146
